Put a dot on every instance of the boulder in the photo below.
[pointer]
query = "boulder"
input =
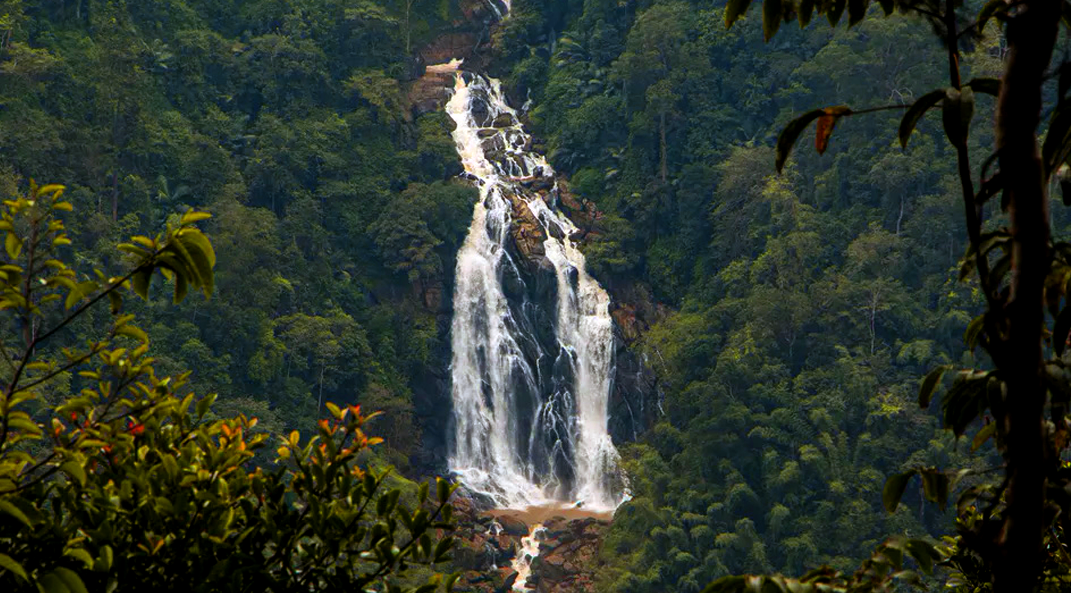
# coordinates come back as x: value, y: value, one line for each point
x: 507, y: 584
x: 512, y: 526
x: 504, y: 120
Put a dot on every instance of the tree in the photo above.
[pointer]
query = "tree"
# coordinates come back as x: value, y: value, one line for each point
x: 114, y: 478
x: 1024, y: 392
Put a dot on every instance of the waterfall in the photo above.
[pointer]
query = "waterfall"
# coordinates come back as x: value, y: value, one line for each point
x: 532, y: 349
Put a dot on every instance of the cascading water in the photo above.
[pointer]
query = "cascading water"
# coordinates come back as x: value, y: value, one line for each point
x: 522, y: 563
x: 532, y: 351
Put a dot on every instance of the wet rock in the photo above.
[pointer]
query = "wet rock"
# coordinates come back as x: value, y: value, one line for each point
x: 556, y: 231
x: 541, y: 184
x: 504, y: 120
x: 486, y: 132
x: 507, y: 585
x: 512, y: 284
x: 513, y: 526
x: 493, y: 145
x: 474, y: 554
x: 527, y: 233
x: 479, y: 110
x: 505, y: 549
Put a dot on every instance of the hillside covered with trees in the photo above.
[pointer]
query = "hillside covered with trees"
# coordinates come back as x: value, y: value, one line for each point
x: 788, y: 319
x: 335, y: 213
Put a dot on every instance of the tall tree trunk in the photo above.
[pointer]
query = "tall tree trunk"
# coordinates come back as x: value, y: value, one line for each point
x: 1031, y: 35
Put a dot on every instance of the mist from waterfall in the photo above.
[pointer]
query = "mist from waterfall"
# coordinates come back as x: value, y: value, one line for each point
x: 530, y: 414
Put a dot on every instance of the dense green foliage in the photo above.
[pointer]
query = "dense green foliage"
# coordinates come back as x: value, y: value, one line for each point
x: 114, y: 478
x: 285, y: 119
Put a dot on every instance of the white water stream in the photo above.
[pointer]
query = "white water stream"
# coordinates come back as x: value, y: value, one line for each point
x: 530, y: 420
x: 522, y: 563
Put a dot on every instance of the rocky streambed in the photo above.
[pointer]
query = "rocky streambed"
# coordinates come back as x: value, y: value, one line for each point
x: 489, y: 542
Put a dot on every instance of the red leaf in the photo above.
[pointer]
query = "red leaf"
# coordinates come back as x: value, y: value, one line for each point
x: 134, y: 428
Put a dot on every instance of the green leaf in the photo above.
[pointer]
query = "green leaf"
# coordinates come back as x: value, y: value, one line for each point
x: 734, y: 9
x: 141, y: 280
x: 923, y: 553
x: 915, y: 113
x: 13, y: 245
x: 79, y: 292
x: 71, y: 579
x: 104, y: 561
x: 181, y: 288
x: 192, y: 217
x: 52, y: 583
x: 133, y: 331
x: 965, y: 400
x: 75, y: 470
x: 442, y: 549
x: 935, y: 486
x: 771, y: 18
x: 966, y: 110
x: 204, y: 404
x: 983, y: 435
x: 116, y: 301
x: 442, y: 490
x: 791, y: 133
x: 9, y: 564
x: 80, y: 554
x: 894, y: 489
x: 974, y: 331
x: 957, y: 107
x: 7, y: 508
x: 929, y: 384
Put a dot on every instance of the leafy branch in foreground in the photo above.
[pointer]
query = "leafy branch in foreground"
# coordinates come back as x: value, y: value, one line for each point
x: 115, y: 479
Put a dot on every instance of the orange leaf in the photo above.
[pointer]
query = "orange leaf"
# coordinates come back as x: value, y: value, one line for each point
x: 823, y: 131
